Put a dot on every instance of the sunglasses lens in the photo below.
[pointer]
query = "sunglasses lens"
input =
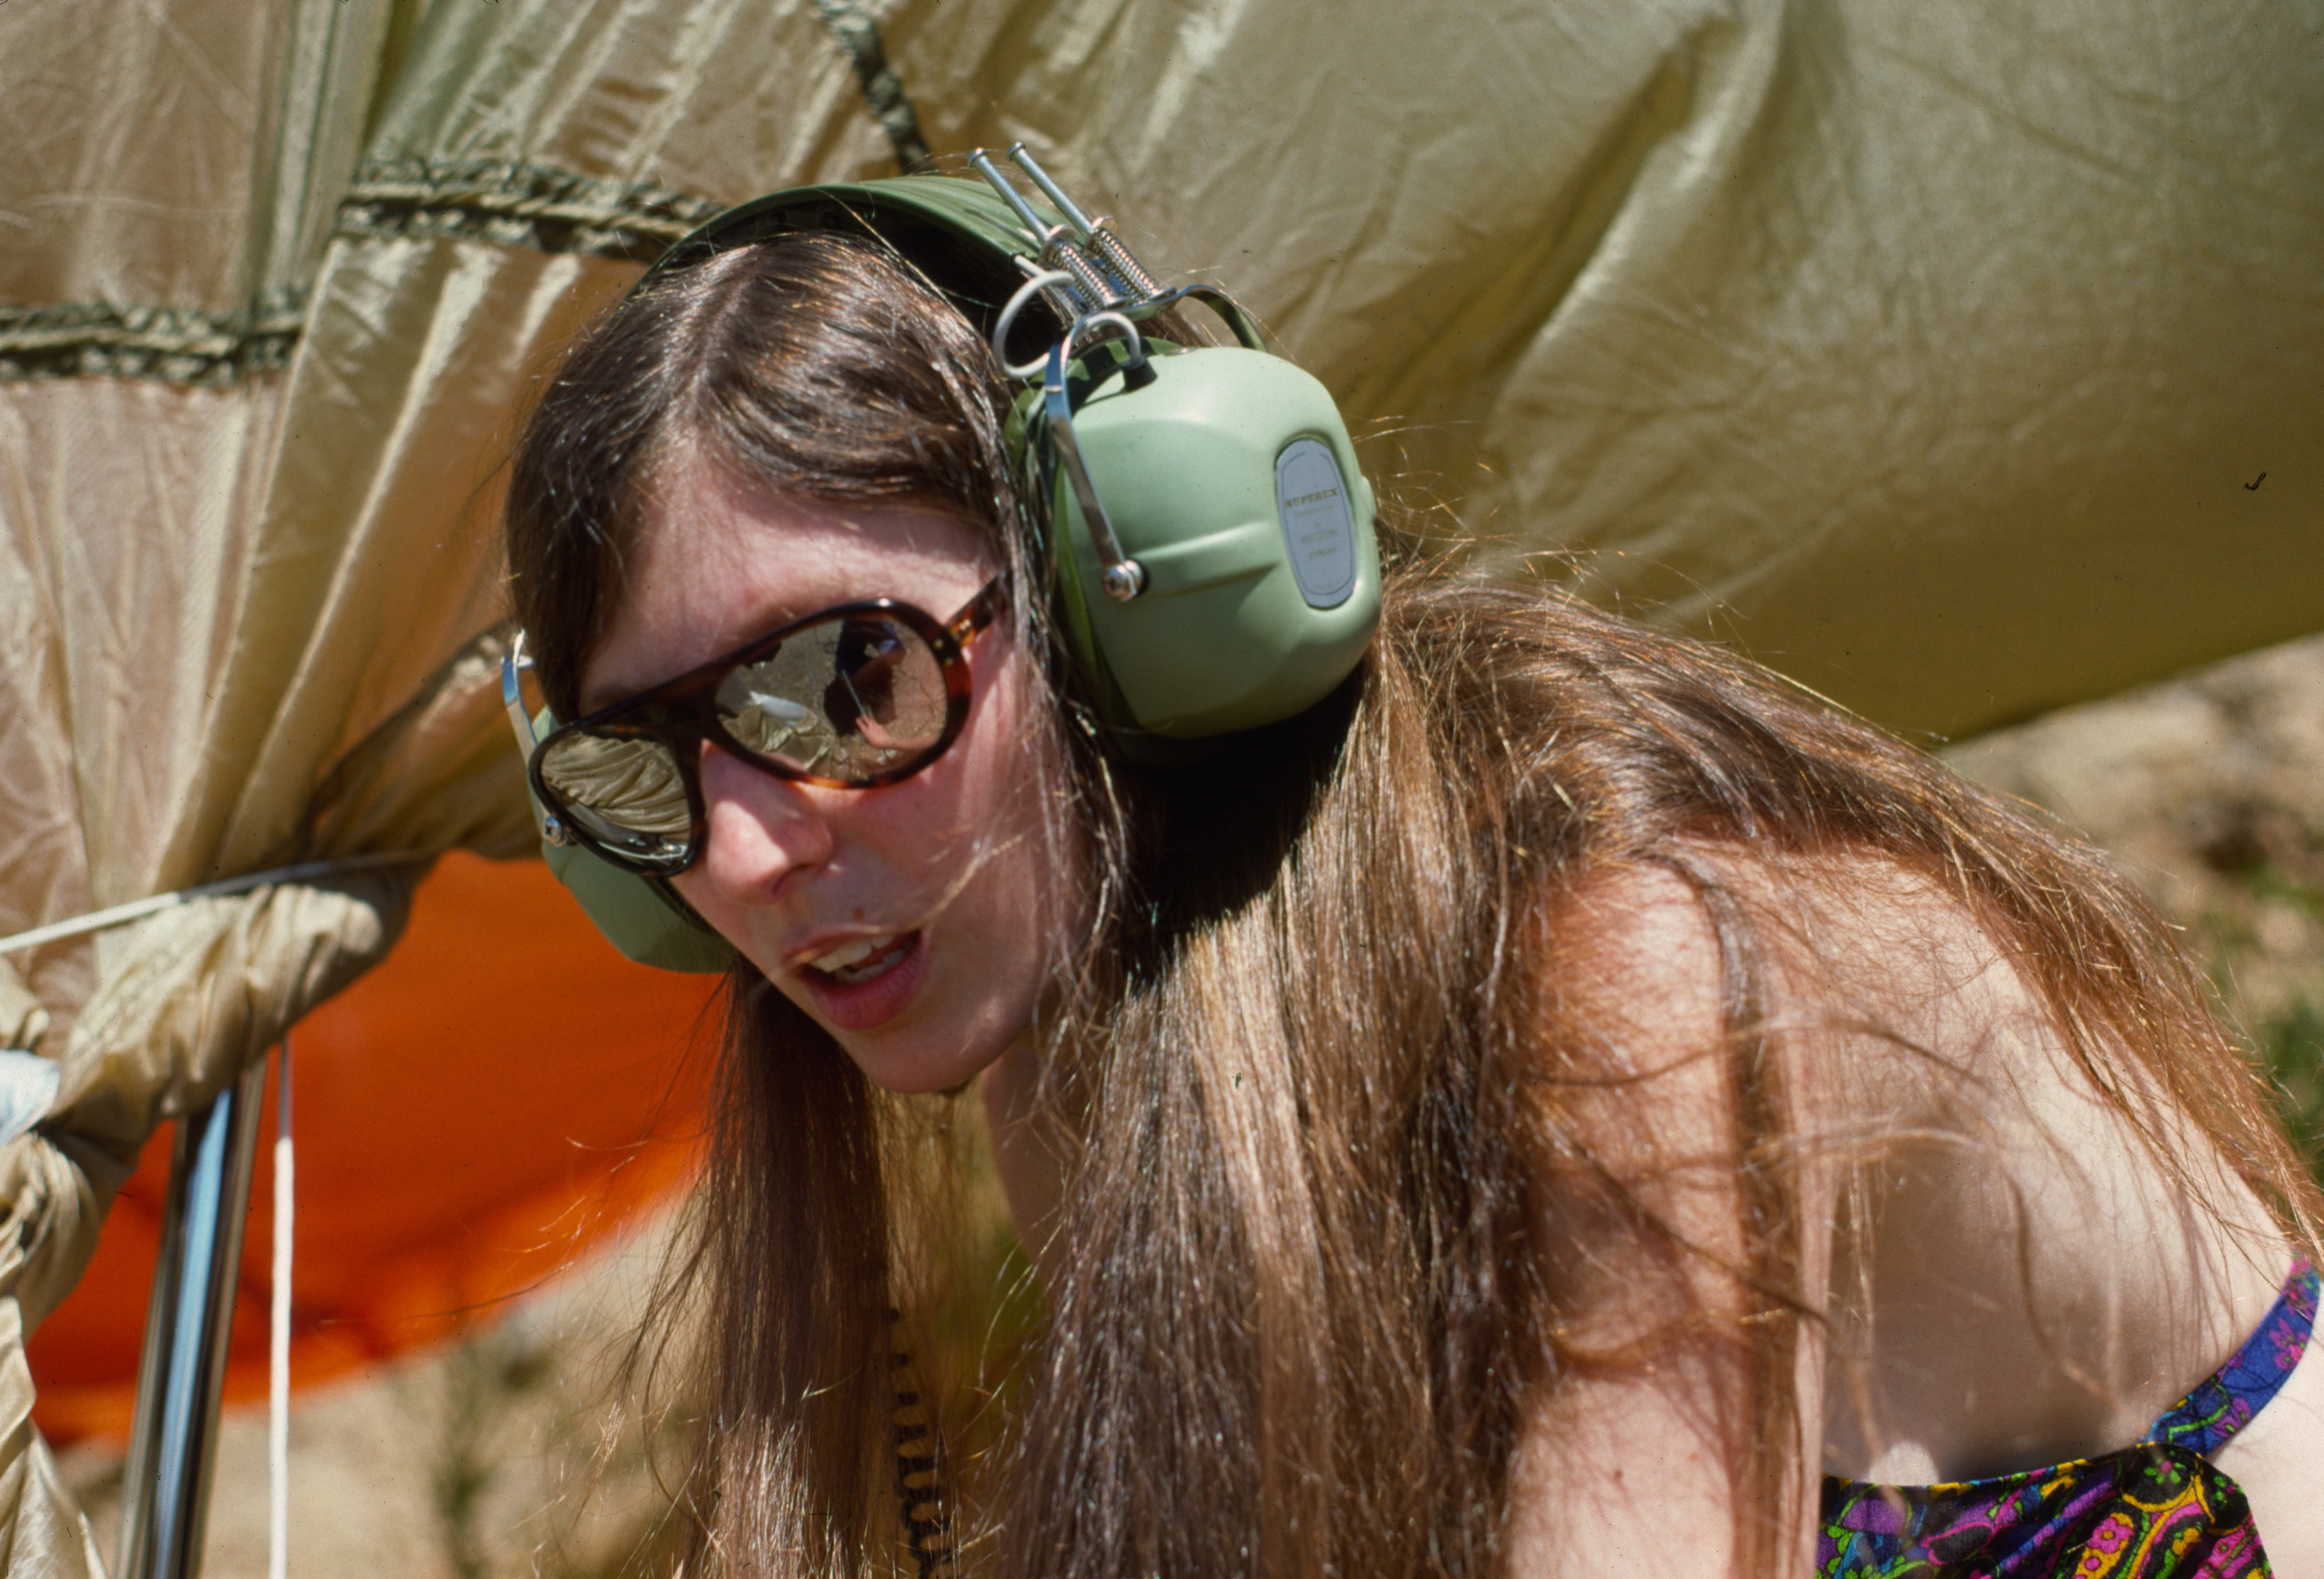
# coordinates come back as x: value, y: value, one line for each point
x: 853, y: 698
x: 850, y: 698
x: 624, y: 794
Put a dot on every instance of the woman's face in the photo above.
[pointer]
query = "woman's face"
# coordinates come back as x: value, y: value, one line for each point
x: 916, y: 921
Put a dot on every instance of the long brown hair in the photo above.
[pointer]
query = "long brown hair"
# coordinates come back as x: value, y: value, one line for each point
x: 1312, y: 1063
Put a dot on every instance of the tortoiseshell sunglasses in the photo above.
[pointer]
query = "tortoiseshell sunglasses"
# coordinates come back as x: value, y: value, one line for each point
x: 851, y: 698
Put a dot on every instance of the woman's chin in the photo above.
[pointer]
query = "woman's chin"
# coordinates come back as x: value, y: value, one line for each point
x: 911, y: 1067
x: 929, y: 1050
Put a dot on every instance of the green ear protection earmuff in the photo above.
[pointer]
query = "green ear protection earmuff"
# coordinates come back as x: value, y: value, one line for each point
x: 1209, y: 533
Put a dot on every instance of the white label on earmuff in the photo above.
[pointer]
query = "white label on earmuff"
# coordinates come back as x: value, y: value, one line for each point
x: 1319, y: 527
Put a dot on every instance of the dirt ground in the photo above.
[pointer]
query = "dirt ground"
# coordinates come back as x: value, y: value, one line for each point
x: 472, y: 1463
x: 2210, y: 792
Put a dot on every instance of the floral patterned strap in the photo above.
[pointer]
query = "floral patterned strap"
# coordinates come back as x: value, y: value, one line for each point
x: 2147, y: 1512
x: 2224, y: 1402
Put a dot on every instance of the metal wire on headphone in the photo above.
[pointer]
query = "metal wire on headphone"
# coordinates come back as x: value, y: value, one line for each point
x: 1100, y: 292
x: 1101, y: 273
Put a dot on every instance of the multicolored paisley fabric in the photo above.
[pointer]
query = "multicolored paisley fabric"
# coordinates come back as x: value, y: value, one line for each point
x: 2156, y: 1510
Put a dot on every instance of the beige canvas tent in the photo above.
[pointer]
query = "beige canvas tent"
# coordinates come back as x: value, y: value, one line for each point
x: 1960, y: 360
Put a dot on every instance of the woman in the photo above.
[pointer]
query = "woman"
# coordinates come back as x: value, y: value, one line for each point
x: 1568, y: 1102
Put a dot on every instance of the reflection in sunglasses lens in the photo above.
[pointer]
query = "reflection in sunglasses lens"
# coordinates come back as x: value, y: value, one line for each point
x: 624, y: 792
x: 848, y: 698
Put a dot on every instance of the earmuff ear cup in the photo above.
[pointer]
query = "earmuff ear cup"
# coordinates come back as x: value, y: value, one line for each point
x: 1230, y: 478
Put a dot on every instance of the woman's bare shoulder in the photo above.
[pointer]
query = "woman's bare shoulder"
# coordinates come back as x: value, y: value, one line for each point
x: 1876, y: 991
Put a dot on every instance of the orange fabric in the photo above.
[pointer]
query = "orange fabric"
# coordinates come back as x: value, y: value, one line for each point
x: 501, y: 1092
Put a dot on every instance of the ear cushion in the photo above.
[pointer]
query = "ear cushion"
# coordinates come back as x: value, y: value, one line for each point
x: 639, y: 916
x: 643, y: 916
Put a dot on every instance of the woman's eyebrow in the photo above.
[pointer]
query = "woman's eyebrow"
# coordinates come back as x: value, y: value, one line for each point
x: 604, y: 692
x: 596, y: 699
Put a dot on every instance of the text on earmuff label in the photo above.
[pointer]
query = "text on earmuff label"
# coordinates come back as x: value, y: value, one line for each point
x: 1319, y: 530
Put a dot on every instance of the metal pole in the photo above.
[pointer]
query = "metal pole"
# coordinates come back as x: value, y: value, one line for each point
x: 166, y: 1485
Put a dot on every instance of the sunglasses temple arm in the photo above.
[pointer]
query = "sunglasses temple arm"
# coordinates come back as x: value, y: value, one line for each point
x: 981, y: 611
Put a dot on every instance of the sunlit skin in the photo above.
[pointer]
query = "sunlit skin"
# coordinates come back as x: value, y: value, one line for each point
x: 952, y: 862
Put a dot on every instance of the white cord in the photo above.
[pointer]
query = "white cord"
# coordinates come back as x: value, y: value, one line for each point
x: 138, y: 910
x: 1008, y: 321
x: 278, y: 1380
x: 1109, y: 319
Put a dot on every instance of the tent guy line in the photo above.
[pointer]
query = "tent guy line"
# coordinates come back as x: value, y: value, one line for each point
x: 138, y: 910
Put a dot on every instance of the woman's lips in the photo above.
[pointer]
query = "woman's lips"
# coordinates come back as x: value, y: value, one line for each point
x: 894, y: 974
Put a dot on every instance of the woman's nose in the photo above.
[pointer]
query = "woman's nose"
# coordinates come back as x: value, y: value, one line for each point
x: 761, y: 828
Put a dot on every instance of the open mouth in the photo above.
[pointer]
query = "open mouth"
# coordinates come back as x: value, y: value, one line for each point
x: 863, y: 959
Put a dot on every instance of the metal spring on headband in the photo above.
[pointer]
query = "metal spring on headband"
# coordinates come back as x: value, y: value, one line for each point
x: 1106, y: 275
